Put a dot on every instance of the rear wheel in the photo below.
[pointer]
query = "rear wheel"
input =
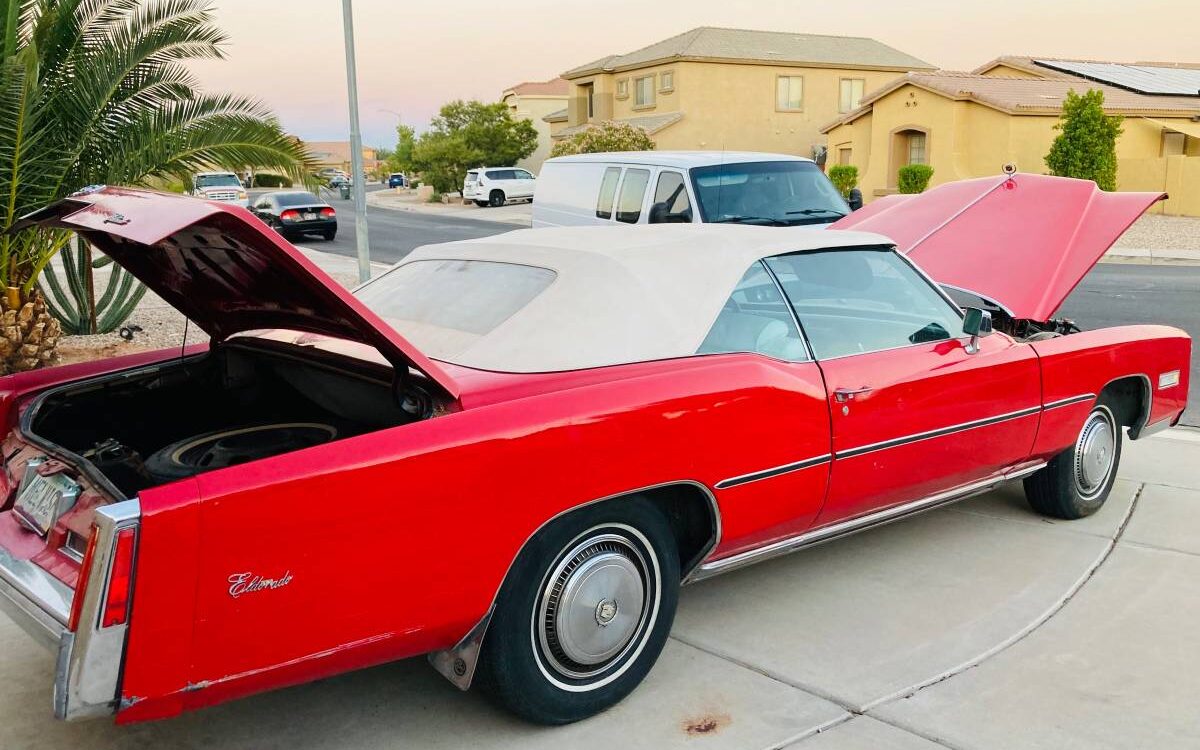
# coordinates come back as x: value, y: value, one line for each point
x: 329, y: 234
x: 481, y: 204
x: 583, y: 614
x: 496, y: 198
x: 1077, y: 481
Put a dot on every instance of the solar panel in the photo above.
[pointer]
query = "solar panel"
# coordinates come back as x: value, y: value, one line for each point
x: 1144, y: 79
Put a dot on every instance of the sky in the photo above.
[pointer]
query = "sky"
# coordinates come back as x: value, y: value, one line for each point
x: 413, y: 56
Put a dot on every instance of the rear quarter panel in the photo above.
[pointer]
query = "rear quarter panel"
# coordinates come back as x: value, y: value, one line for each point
x: 395, y: 543
x: 1084, y: 363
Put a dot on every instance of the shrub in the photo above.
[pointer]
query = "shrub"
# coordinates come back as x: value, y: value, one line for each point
x: 844, y: 177
x: 267, y: 180
x: 1086, y: 146
x: 914, y: 178
x: 605, y: 136
x: 469, y: 134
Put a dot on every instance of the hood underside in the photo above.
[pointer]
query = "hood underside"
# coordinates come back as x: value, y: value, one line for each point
x: 1023, y: 241
x: 225, y: 270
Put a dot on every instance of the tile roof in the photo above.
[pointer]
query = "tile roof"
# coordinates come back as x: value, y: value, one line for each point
x: 553, y: 87
x: 767, y: 47
x: 558, y: 115
x: 1026, y: 95
x: 650, y: 123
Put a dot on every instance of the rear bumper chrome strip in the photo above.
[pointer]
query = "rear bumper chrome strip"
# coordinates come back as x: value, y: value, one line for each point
x: 854, y: 525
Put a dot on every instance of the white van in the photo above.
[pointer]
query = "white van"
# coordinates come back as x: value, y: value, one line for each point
x: 660, y: 187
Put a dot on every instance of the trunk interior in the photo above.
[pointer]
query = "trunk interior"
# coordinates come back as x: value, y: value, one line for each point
x: 240, y: 402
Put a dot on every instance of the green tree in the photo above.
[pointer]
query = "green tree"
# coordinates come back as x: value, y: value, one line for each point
x: 401, y: 159
x: 1086, y: 145
x: 470, y: 134
x: 914, y: 178
x: 605, y: 136
x: 98, y: 92
x: 844, y: 177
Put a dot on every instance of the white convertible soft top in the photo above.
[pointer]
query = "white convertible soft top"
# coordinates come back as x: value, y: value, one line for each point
x: 621, y: 294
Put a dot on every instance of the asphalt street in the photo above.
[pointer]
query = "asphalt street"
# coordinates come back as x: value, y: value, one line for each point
x: 1112, y: 294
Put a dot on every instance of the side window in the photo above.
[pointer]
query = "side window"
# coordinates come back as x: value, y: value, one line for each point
x: 857, y: 301
x: 608, y: 193
x: 633, y: 190
x: 499, y: 174
x: 755, y: 319
x: 521, y: 174
x: 671, y: 204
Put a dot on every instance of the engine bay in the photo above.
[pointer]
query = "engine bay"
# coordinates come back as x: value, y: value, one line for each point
x: 238, y: 403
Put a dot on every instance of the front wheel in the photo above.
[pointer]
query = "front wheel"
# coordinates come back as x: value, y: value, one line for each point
x: 583, y: 614
x: 1076, y: 482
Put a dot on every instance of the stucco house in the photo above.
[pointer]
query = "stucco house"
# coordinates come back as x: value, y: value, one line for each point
x: 533, y: 101
x: 1004, y: 112
x: 732, y: 89
x: 336, y: 154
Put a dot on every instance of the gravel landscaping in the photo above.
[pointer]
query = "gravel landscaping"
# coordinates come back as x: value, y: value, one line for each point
x: 1163, y: 233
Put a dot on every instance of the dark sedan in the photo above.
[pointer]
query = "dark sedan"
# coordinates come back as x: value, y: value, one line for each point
x: 296, y: 212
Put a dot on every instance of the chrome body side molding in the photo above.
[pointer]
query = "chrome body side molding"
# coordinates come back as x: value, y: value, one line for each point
x: 939, y: 432
x: 774, y: 471
x: 854, y: 525
x: 1069, y: 401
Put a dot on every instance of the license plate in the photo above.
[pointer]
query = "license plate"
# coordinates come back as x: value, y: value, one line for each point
x: 44, y: 498
x: 309, y: 217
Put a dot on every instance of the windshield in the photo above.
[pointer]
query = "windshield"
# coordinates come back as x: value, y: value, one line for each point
x: 217, y: 180
x: 777, y: 193
x: 445, y: 306
x: 298, y: 199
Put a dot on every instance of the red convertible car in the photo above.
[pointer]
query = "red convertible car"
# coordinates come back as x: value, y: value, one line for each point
x: 509, y: 453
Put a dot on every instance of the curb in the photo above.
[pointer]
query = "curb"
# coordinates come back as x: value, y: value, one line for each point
x: 452, y: 213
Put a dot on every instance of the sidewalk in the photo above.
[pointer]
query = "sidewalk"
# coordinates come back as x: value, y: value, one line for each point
x: 516, y: 214
x: 981, y: 626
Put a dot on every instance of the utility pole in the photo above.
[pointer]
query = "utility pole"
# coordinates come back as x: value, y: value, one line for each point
x: 358, y: 182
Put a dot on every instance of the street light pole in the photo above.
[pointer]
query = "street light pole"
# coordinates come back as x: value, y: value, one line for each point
x: 356, y: 161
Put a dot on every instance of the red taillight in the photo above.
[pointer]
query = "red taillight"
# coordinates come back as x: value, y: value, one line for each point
x: 85, y: 570
x: 328, y: 213
x: 290, y: 215
x: 120, y: 581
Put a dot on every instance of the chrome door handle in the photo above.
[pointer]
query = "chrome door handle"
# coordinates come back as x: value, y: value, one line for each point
x: 842, y: 395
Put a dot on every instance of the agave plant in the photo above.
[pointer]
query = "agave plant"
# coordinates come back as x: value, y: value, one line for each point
x: 98, y: 92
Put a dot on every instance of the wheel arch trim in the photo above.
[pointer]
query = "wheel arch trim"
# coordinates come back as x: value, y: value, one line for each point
x: 457, y: 663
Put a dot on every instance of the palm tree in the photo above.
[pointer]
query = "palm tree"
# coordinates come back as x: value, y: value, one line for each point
x: 98, y: 92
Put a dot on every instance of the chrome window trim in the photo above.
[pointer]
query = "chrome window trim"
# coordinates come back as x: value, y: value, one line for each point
x: 787, y: 302
x: 854, y: 525
x: 983, y: 297
x: 774, y: 471
x: 935, y: 433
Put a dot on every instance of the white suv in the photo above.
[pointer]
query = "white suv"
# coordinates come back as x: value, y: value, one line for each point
x: 495, y: 186
x: 219, y: 186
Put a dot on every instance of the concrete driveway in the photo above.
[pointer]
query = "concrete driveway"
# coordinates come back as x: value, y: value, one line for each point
x: 977, y: 626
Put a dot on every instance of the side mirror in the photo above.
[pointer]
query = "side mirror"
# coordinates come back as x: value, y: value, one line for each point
x: 855, y: 199
x: 976, y: 324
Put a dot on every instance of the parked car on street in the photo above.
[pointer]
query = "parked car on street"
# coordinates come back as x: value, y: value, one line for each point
x: 219, y: 186
x: 681, y: 187
x: 396, y: 179
x: 338, y: 181
x: 293, y: 213
x: 495, y: 187
x: 509, y: 453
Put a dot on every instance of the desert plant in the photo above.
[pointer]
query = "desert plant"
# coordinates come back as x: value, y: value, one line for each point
x: 97, y: 92
x: 844, y: 177
x: 605, y: 136
x: 914, y: 178
x: 1086, y: 145
x: 77, y: 307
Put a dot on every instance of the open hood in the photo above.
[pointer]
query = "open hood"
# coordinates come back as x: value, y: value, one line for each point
x: 225, y: 270
x: 1022, y: 241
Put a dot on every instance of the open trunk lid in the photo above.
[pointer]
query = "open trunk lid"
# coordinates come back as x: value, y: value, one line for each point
x: 1022, y: 241
x: 225, y: 270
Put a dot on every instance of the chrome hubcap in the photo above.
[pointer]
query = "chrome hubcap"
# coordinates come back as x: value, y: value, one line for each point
x: 1094, y: 452
x: 594, y: 605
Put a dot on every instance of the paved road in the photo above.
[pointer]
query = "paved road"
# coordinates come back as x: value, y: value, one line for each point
x: 1119, y: 294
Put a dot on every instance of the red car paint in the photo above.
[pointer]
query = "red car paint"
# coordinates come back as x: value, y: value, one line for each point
x: 394, y: 543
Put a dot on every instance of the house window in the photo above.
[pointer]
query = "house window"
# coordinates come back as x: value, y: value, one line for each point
x: 916, y: 148
x: 643, y: 91
x: 623, y: 88
x: 789, y: 93
x: 851, y: 94
x: 666, y: 81
x: 844, y: 156
x: 1174, y: 144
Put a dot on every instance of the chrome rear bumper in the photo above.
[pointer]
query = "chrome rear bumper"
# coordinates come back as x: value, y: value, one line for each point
x: 34, y: 599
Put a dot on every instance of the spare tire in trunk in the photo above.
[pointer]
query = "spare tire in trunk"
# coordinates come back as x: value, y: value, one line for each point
x: 234, y: 445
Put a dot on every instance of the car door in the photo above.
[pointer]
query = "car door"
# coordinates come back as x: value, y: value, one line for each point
x: 915, y: 407
x: 523, y: 183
